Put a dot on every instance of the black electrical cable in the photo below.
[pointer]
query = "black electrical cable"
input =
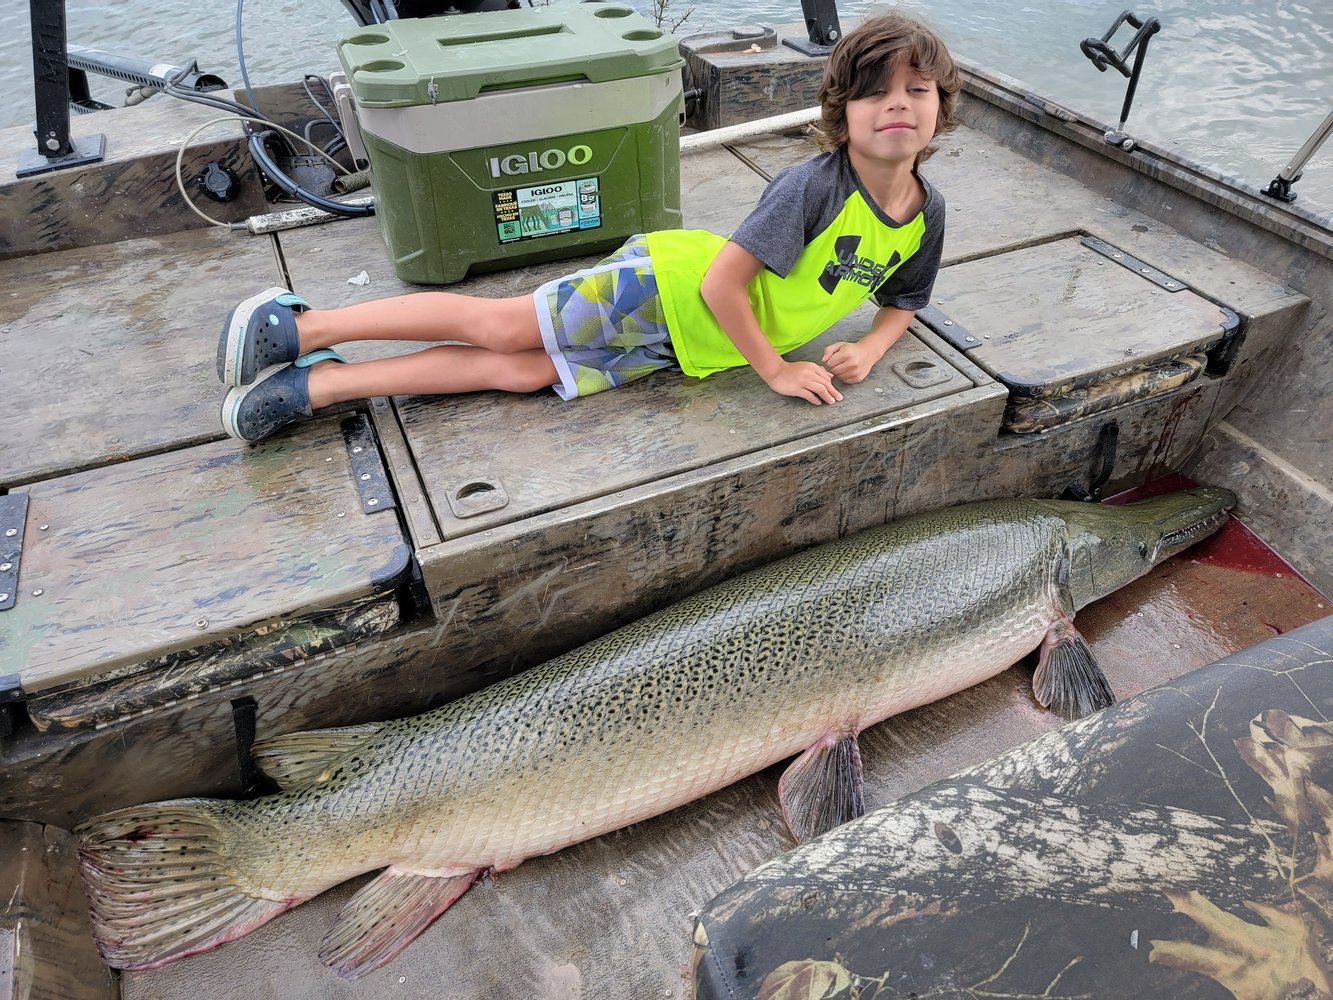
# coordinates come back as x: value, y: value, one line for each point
x: 209, y: 101
x: 270, y: 168
x: 305, y: 85
x: 240, y: 56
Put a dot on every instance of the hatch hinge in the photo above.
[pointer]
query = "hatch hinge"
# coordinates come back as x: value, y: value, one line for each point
x: 363, y: 454
x: 1144, y: 270
x: 948, y: 330
x: 13, y: 515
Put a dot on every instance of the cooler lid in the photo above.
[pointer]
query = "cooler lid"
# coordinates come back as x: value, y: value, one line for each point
x: 130, y: 562
x: 1047, y: 319
x: 416, y: 61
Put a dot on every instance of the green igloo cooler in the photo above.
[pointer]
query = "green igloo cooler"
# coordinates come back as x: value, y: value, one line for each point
x: 511, y: 137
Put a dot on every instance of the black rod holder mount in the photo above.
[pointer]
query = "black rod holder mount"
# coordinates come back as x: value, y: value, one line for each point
x: 821, y: 26
x: 56, y: 148
x: 1101, y: 53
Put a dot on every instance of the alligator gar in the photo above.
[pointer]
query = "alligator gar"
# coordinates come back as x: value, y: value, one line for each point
x: 796, y: 657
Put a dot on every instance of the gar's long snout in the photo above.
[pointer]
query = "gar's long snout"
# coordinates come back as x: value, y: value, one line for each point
x: 1111, y: 545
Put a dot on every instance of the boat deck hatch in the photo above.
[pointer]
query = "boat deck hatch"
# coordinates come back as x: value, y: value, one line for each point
x: 159, y: 579
x: 556, y: 454
x: 1075, y: 326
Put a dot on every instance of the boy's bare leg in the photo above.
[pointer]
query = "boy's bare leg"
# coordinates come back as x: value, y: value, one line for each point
x: 500, y: 325
x: 447, y: 368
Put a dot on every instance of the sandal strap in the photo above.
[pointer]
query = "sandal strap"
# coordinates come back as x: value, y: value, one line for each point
x: 323, y: 354
x: 291, y: 299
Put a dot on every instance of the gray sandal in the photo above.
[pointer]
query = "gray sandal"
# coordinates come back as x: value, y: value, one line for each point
x: 259, y: 333
x: 278, y: 397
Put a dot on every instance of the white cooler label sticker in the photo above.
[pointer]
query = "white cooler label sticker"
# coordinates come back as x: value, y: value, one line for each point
x: 529, y: 213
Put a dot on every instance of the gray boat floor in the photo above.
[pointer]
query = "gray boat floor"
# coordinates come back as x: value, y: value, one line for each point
x: 610, y: 917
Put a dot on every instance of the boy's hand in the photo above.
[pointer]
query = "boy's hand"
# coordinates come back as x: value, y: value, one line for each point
x: 851, y: 362
x: 806, y: 380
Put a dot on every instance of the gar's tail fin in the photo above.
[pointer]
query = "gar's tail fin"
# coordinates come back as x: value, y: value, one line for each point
x: 159, y: 885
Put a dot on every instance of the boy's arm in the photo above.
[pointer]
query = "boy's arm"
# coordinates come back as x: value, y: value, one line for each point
x: 724, y: 292
x: 852, y: 362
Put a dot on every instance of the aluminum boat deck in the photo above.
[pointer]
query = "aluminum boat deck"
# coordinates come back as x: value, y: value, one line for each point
x: 180, y: 591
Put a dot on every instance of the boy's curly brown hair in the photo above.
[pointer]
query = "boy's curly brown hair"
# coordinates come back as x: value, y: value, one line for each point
x: 864, y: 57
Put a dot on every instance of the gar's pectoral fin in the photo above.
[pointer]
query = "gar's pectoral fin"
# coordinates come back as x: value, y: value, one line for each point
x: 385, y: 916
x: 1069, y: 680
x: 823, y: 787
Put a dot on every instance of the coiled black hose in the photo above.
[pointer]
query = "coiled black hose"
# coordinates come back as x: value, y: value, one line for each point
x: 270, y: 169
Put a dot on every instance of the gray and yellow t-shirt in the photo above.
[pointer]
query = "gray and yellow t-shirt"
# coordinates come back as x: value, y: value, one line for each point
x: 826, y: 248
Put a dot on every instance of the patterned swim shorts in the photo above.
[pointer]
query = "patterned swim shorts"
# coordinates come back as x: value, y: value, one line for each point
x: 604, y: 326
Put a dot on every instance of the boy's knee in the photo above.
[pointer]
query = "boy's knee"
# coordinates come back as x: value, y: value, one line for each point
x: 513, y: 327
x: 501, y: 337
x: 526, y: 377
x: 541, y: 379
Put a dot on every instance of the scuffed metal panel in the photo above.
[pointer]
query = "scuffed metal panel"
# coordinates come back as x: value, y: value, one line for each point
x: 556, y: 454
x: 109, y: 350
x: 147, y: 558
x: 160, y: 684
x: 1048, y: 319
x: 46, y: 944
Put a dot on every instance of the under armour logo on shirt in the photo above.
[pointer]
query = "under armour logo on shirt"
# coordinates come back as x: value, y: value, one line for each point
x: 847, y: 266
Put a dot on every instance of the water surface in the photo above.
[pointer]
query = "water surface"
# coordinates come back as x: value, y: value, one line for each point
x: 1238, y: 84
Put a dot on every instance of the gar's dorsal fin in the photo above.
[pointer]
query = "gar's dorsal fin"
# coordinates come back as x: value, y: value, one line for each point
x: 301, y: 760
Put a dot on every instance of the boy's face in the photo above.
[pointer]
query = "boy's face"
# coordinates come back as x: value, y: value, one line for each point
x: 897, y: 119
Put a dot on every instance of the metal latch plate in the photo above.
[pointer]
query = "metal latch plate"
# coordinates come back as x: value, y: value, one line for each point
x: 372, y: 482
x: 13, y: 514
x: 949, y: 330
x: 1159, y: 278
